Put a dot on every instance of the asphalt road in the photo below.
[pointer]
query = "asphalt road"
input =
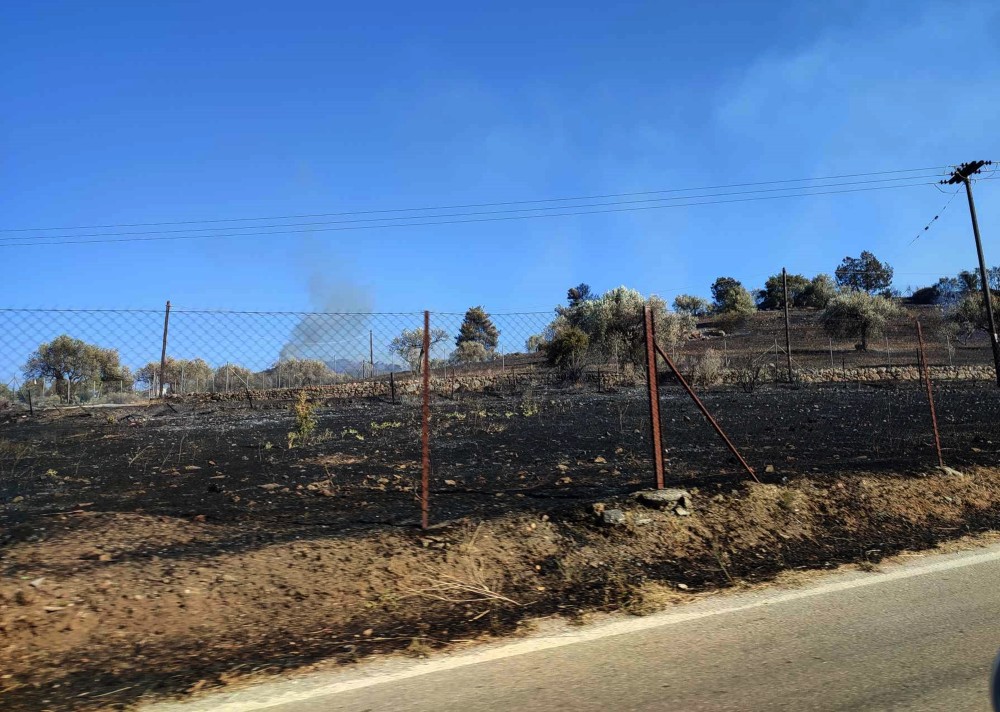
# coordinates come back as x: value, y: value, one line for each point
x: 917, y: 636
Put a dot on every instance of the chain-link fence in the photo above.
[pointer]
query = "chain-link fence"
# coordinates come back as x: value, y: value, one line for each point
x: 512, y: 427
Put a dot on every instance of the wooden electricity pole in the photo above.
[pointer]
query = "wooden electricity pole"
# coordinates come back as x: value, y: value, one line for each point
x: 961, y: 175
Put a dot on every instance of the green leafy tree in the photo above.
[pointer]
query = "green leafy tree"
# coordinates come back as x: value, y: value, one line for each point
x: 579, y: 293
x: 69, y: 362
x: 300, y: 372
x: 477, y: 327
x: 536, y: 343
x: 409, y: 345
x: 231, y: 377
x: 819, y: 292
x: 470, y: 352
x: 721, y: 289
x: 772, y: 296
x: 859, y: 315
x: 864, y: 274
x: 180, y: 375
x: 732, y: 300
x: 968, y: 314
x: 614, y: 323
x: 691, y: 305
x: 567, y: 350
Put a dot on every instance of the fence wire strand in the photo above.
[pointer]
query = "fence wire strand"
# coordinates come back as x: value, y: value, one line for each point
x: 508, y: 430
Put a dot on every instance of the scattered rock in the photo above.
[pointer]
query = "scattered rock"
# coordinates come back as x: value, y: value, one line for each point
x: 17, y: 499
x: 450, y: 483
x: 682, y: 586
x: 664, y: 498
x: 643, y: 521
x: 600, y: 460
x: 105, y: 557
x: 612, y: 517
x: 950, y: 471
x: 270, y: 486
x: 769, y: 469
x: 681, y: 512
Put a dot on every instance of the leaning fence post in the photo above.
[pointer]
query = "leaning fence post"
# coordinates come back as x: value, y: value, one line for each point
x: 654, y: 398
x: 704, y: 411
x: 163, y: 352
x: 425, y: 437
x: 926, y: 372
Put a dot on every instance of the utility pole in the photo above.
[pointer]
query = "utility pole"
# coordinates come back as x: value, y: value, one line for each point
x: 961, y: 175
x: 788, y: 336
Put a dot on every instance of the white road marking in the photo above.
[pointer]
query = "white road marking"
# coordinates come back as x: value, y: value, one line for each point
x: 272, y: 694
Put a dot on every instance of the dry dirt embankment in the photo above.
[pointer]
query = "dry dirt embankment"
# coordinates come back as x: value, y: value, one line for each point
x: 102, y: 610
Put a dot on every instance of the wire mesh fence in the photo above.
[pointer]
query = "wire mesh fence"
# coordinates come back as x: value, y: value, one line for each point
x: 508, y: 430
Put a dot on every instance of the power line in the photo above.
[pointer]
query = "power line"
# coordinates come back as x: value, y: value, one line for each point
x: 935, y: 218
x: 455, y: 222
x: 466, y: 214
x: 480, y: 205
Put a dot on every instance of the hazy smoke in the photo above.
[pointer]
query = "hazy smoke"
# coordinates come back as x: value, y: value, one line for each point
x: 338, y: 332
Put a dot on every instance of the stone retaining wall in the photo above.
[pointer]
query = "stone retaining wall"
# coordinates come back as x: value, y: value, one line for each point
x: 409, y: 385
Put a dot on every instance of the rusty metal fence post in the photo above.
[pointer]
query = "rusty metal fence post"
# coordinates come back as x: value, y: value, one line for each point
x: 163, y: 352
x: 708, y: 415
x: 926, y: 373
x: 654, y: 397
x: 425, y: 438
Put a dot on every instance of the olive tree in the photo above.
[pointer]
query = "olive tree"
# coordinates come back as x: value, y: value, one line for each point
x: 180, y: 374
x: 69, y: 362
x: 859, y: 315
x: 691, y: 305
x: 409, y: 345
x: 614, y: 323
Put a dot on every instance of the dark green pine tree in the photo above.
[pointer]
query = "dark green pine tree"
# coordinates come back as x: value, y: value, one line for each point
x: 477, y: 327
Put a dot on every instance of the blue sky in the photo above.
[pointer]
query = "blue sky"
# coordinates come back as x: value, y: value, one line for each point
x: 120, y: 112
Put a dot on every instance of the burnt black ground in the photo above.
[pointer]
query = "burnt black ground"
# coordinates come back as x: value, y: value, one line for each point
x: 511, y: 444
x: 504, y: 452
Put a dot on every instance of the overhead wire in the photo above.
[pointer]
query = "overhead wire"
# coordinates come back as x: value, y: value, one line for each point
x: 936, y: 217
x: 315, y: 225
x: 431, y: 222
x: 482, y: 205
x: 452, y: 215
